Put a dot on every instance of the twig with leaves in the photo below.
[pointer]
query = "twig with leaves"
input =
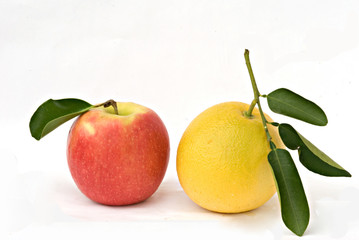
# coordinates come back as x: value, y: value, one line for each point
x: 292, y: 198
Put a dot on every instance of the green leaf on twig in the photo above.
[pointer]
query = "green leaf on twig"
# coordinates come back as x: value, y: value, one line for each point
x: 286, y: 102
x: 309, y: 155
x: 293, y: 201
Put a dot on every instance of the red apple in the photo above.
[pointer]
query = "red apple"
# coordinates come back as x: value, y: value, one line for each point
x: 118, y: 159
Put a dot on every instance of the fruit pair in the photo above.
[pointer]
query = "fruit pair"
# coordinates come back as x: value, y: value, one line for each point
x: 118, y: 153
x: 231, y: 158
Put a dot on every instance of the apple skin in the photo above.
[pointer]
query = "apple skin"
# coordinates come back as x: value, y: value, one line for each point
x: 118, y: 159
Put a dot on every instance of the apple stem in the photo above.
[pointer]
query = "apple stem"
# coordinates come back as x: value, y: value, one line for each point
x: 109, y: 103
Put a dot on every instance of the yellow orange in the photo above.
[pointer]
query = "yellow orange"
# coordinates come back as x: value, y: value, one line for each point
x: 222, y: 159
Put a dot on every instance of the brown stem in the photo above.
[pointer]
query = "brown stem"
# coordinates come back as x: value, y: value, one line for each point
x: 109, y: 103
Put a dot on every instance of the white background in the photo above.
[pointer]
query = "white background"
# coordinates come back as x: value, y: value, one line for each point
x: 178, y: 58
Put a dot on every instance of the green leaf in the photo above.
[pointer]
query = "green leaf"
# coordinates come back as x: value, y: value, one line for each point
x: 293, y: 201
x: 317, y: 165
x: 289, y: 136
x: 309, y: 155
x: 288, y: 103
x: 53, y: 113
